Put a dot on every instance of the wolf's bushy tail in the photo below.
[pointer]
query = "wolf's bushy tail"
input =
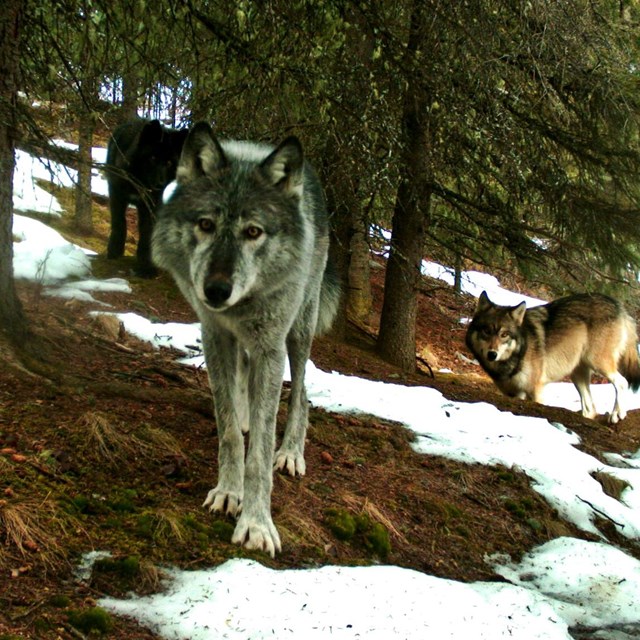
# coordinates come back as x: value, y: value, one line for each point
x: 629, y: 364
x: 329, y: 298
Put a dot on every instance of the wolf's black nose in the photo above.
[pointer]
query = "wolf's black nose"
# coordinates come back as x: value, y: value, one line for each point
x: 217, y: 291
x: 492, y: 355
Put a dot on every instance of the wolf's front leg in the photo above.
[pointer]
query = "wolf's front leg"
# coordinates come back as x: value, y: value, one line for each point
x: 221, y: 354
x: 255, y: 528
x: 226, y: 496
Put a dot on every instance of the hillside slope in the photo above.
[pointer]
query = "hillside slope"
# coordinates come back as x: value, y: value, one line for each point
x: 111, y: 445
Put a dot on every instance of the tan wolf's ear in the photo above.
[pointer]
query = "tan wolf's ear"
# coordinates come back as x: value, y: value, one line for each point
x: 283, y: 167
x: 201, y: 155
x: 517, y: 313
x: 483, y: 302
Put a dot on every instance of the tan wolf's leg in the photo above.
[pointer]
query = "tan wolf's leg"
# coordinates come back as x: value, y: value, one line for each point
x: 536, y: 393
x: 581, y: 378
x: 621, y: 386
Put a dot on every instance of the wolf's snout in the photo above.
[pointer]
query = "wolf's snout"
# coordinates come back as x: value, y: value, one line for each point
x: 217, y: 291
x: 492, y: 355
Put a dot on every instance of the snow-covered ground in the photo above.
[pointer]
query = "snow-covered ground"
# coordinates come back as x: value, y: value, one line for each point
x: 564, y: 583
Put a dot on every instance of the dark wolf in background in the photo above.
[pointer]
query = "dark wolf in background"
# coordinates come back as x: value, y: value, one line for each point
x: 142, y: 157
x: 245, y: 235
x: 524, y: 349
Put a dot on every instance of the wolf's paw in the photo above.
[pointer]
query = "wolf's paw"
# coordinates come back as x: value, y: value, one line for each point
x: 257, y: 533
x: 228, y: 502
x: 290, y: 462
x: 616, y: 416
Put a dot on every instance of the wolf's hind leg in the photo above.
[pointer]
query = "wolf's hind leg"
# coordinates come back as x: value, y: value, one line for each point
x: 118, y: 202
x: 581, y: 378
x: 242, y: 391
x: 290, y: 456
x: 621, y: 386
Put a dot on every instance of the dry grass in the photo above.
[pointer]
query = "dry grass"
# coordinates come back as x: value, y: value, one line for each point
x: 30, y: 529
x: 5, y: 466
x: 612, y: 486
x: 105, y: 438
x: 156, y: 441
x: 298, y: 529
x: 364, y: 505
x: 169, y: 526
x: 150, y: 577
x: 109, y: 440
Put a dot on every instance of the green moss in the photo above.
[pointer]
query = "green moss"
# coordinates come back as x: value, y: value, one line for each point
x: 376, y: 540
x: 145, y: 525
x: 91, y: 620
x: 87, y: 506
x: 441, y: 509
x: 60, y: 601
x: 341, y: 523
x: 535, y: 524
x: 359, y: 529
x: 42, y: 625
x: 222, y: 530
x: 124, y: 501
x: 506, y: 476
x: 519, y: 509
x: 192, y: 522
x: 122, y: 570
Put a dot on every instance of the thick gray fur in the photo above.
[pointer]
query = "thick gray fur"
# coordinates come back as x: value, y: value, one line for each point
x: 245, y: 235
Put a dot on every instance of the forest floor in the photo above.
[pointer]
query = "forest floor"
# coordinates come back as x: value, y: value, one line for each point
x: 111, y: 445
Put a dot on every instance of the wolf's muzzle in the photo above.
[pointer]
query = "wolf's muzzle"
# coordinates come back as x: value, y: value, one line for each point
x: 492, y: 356
x: 217, y: 291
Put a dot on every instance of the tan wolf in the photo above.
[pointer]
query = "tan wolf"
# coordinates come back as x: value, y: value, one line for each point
x: 524, y: 349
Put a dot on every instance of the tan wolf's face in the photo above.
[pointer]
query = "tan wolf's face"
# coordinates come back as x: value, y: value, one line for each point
x: 495, y: 330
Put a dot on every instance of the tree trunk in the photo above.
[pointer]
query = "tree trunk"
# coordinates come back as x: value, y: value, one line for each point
x: 83, y: 220
x: 129, y: 96
x: 359, y: 301
x: 12, y: 318
x: 457, y: 278
x: 397, y: 336
x: 340, y: 227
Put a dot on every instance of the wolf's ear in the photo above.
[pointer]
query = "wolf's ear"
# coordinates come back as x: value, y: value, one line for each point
x: 517, y: 313
x: 151, y: 133
x: 483, y: 302
x: 283, y: 167
x: 201, y: 155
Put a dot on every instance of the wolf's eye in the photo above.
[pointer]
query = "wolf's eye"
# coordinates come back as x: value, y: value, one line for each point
x: 252, y: 232
x: 505, y: 335
x: 206, y: 225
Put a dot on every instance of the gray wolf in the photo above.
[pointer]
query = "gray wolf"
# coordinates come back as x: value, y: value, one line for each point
x: 142, y: 157
x: 245, y: 235
x: 524, y: 349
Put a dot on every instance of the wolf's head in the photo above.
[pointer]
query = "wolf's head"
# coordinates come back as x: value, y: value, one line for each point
x: 494, y: 332
x: 155, y: 158
x: 233, y: 230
